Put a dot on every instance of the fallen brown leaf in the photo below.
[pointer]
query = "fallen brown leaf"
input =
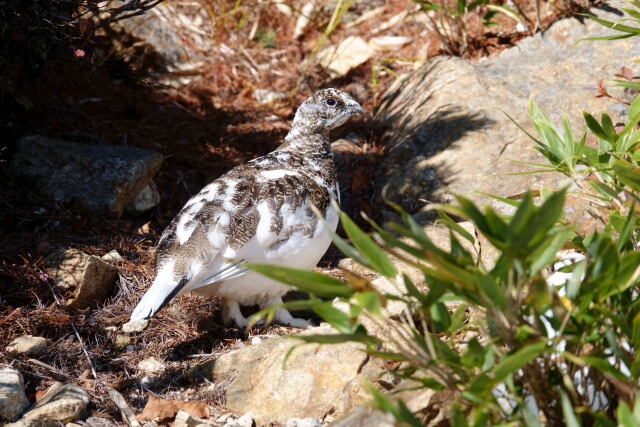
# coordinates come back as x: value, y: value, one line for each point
x: 164, y: 409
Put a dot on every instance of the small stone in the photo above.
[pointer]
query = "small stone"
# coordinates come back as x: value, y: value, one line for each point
x: 266, y: 96
x: 62, y: 402
x: 256, y: 340
x: 184, y: 419
x: 122, y: 341
x: 303, y: 20
x: 137, y: 326
x: 90, y: 278
x: 147, y: 198
x: 303, y: 422
x: 100, y: 422
x: 13, y: 400
x: 389, y: 42
x: 112, y: 256
x: 150, y: 366
x: 129, y: 349
x: 339, y: 60
x: 244, y: 421
x: 28, y: 344
x: 144, y: 228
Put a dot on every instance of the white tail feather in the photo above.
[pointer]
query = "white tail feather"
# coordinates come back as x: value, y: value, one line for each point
x: 165, y: 286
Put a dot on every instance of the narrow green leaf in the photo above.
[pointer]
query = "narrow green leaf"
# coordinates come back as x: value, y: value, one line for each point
x: 399, y: 411
x: 507, y: 11
x: 440, y: 316
x: 607, y: 126
x: 634, y: 108
x: 335, y: 317
x: 375, y: 256
x: 307, y: 281
x: 615, y: 25
x: 627, y: 173
x: 451, y: 224
x: 517, y: 360
x: 595, y: 127
x: 567, y: 410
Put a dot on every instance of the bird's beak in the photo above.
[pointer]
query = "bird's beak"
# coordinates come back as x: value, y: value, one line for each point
x: 354, y: 107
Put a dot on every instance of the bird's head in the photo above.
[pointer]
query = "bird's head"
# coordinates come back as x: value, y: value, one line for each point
x: 325, y: 110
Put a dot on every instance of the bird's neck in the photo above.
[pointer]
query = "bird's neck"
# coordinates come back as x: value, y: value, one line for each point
x: 303, y: 140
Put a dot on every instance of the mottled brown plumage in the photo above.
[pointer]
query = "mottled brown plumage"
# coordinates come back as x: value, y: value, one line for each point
x: 260, y: 211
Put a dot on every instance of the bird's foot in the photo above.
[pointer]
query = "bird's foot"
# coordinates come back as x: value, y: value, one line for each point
x: 232, y: 314
x: 283, y: 316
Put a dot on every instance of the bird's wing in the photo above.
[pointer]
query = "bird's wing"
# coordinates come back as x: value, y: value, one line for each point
x: 241, y: 217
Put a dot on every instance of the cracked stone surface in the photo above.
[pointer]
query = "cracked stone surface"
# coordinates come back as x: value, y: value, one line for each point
x: 309, y: 384
x: 448, y: 135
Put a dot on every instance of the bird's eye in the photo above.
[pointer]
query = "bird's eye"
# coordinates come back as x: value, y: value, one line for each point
x: 331, y: 102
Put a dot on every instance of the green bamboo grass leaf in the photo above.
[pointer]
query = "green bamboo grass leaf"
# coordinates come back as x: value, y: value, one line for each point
x: 631, y: 12
x: 635, y: 334
x: 507, y: 11
x: 545, y: 254
x: 548, y: 214
x: 626, y: 83
x: 606, y: 191
x: 634, y: 108
x: 510, y: 202
x: 614, y: 25
x: 627, y: 173
x: 595, y: 127
x: 451, y: 224
x: 308, y: 281
x: 570, y: 417
x: 492, y: 290
x: 607, y: 126
x: 340, y: 243
x: 601, y: 365
x: 376, y: 258
x: 523, y: 215
x: 627, y: 229
x: 613, y: 37
x: 338, y: 338
x: 625, y: 417
x: 519, y: 126
x: 440, y: 316
x: 369, y: 301
x: 517, y: 360
x: 335, y: 317
x: 399, y: 411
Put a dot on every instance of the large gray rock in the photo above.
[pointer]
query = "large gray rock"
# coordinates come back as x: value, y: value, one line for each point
x: 164, y: 40
x: 13, y: 400
x: 62, y: 402
x: 98, y: 177
x: 87, y: 278
x: 316, y: 380
x: 448, y: 136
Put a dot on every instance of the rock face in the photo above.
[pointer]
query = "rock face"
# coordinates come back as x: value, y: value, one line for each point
x: 98, y: 177
x: 28, y: 344
x: 88, y: 278
x: 13, y: 400
x: 447, y: 136
x: 315, y: 381
x: 62, y: 402
x: 164, y: 40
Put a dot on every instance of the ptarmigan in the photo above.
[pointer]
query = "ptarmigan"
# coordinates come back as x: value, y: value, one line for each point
x: 259, y: 212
